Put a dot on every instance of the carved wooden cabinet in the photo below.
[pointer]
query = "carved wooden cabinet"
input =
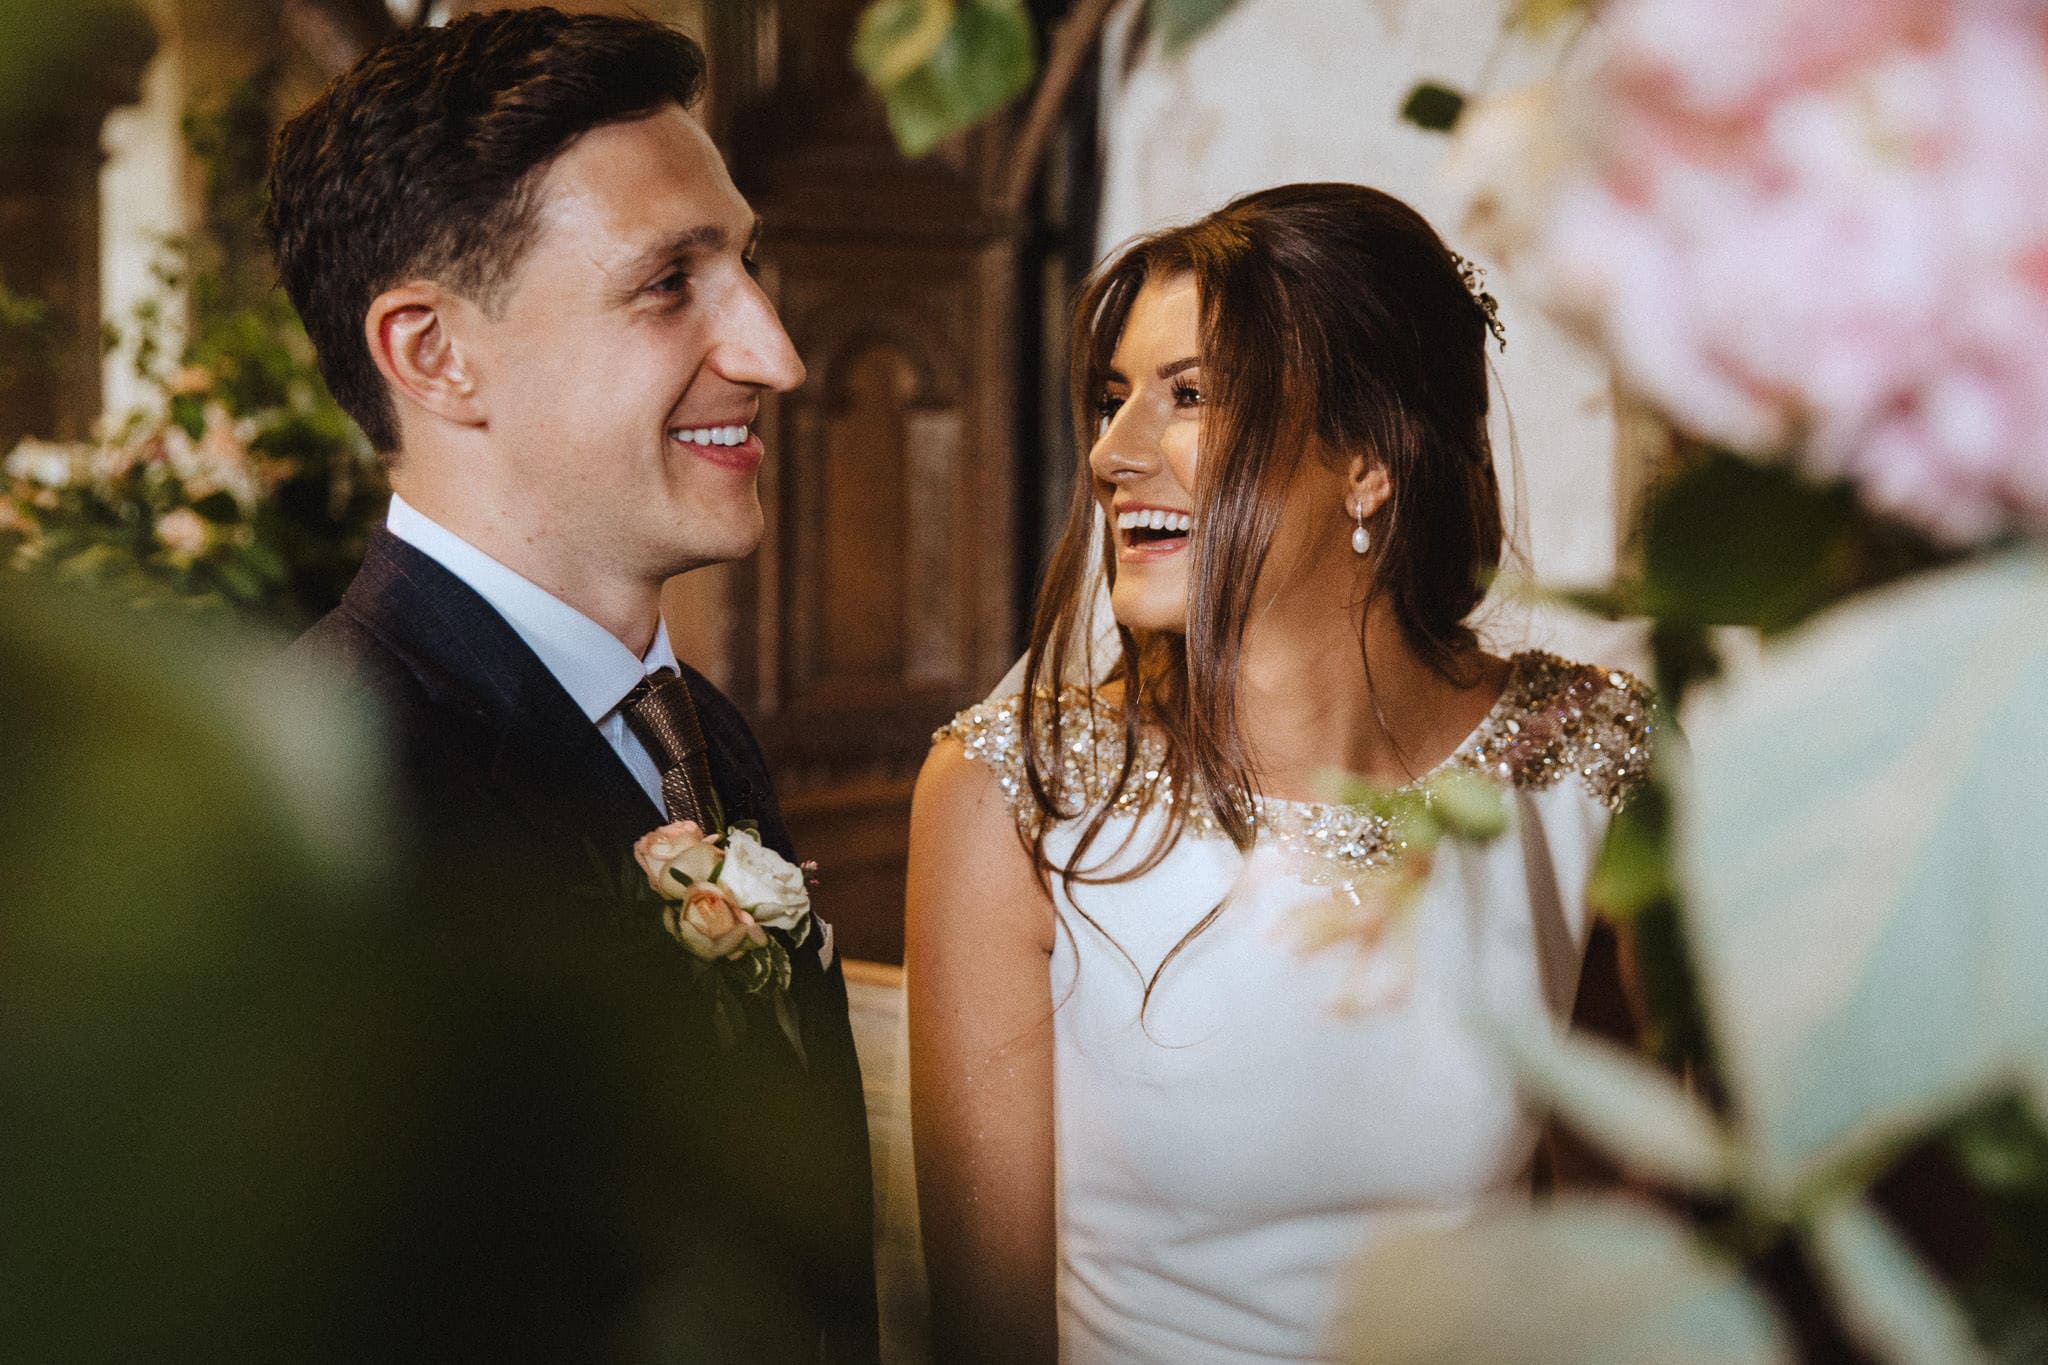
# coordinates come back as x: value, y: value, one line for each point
x: 884, y: 597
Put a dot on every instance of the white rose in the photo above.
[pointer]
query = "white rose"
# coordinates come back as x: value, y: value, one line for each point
x: 765, y: 882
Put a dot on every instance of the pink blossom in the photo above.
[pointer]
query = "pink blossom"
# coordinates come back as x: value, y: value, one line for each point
x: 1804, y: 226
x: 183, y: 532
x: 219, y: 461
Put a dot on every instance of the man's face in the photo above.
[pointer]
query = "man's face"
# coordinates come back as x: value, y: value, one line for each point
x: 623, y: 369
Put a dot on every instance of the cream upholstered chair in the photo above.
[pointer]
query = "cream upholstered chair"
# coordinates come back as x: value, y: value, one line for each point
x: 874, y: 997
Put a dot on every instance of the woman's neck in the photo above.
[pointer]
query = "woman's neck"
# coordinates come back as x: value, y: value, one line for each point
x: 1308, y: 705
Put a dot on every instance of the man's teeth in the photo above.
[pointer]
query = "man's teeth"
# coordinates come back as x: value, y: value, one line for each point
x: 1154, y: 519
x: 710, y: 436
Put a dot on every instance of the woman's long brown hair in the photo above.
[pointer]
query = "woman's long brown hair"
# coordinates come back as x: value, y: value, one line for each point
x: 1329, y: 311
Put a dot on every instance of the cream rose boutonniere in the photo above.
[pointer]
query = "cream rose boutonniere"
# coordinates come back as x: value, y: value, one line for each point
x: 766, y: 883
x: 721, y: 895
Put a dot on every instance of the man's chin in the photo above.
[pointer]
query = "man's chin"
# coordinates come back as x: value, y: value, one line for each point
x: 731, y: 544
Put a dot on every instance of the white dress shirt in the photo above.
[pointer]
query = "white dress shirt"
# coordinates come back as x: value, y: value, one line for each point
x: 590, y: 663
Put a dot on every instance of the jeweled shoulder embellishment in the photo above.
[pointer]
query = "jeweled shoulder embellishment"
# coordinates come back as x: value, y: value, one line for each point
x: 1561, y: 719
x: 992, y: 735
x: 1090, y: 755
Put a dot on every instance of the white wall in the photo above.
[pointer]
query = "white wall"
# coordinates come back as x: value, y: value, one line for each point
x: 143, y: 200
x: 1293, y: 90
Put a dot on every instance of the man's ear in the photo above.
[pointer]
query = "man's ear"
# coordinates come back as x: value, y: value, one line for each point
x: 1367, y: 486
x: 415, y: 333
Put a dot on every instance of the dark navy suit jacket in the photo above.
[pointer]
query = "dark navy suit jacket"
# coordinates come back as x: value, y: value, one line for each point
x: 756, y: 1242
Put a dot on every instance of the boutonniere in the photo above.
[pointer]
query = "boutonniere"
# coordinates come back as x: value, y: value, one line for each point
x: 737, y: 907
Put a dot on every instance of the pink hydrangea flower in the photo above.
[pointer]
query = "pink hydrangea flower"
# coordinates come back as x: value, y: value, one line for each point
x: 1803, y: 225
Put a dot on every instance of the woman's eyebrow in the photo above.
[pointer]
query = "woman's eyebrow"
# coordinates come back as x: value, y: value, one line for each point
x: 1170, y: 370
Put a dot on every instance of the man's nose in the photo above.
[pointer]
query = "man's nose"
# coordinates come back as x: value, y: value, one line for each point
x: 752, y: 348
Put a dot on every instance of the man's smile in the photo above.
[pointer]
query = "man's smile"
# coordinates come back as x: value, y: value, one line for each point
x: 732, y: 445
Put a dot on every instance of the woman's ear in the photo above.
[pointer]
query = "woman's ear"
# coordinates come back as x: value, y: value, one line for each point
x: 415, y: 336
x: 1367, y: 486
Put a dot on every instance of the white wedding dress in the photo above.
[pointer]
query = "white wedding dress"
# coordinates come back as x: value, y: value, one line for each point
x: 1222, y: 1160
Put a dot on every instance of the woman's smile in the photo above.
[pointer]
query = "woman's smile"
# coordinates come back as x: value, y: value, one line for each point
x: 1145, y: 532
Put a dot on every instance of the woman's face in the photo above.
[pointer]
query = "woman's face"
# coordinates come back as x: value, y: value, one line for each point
x: 1144, y: 456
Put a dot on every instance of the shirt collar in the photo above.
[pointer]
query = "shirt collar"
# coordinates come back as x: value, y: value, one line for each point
x: 590, y: 663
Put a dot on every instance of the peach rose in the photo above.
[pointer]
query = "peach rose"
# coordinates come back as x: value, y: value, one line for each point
x: 710, y: 923
x: 677, y: 855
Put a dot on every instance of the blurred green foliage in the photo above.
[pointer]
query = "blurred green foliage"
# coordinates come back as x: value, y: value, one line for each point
x: 944, y: 66
x: 241, y: 487
x: 1181, y: 22
x: 268, y: 1090
x: 1433, y: 106
x: 81, y: 38
x: 27, y: 337
x: 197, y: 1039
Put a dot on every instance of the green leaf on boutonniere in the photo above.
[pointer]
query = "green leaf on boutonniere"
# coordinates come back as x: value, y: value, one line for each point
x: 749, y: 972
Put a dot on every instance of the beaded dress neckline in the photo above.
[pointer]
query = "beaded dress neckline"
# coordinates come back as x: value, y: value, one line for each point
x: 1554, y: 720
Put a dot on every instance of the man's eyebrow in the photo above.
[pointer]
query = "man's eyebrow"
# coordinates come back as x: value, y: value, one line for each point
x: 705, y: 237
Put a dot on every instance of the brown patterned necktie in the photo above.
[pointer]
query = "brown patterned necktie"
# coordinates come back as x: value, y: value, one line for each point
x: 662, y: 713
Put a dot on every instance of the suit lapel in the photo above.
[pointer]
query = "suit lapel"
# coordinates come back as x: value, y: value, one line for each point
x: 546, y: 759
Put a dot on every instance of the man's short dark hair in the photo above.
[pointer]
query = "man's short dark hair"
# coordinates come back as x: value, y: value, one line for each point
x: 421, y: 160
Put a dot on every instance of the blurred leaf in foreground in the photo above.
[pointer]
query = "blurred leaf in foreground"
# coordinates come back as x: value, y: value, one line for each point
x: 1434, y: 107
x: 1181, y: 22
x: 1864, y: 846
x: 264, y: 1098
x: 1576, y: 1281
x: 942, y: 66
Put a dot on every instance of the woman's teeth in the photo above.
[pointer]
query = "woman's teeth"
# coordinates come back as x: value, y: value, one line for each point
x: 1154, y: 519
x: 710, y: 436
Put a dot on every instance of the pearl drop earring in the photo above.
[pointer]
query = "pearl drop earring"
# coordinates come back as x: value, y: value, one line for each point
x: 1361, y: 539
